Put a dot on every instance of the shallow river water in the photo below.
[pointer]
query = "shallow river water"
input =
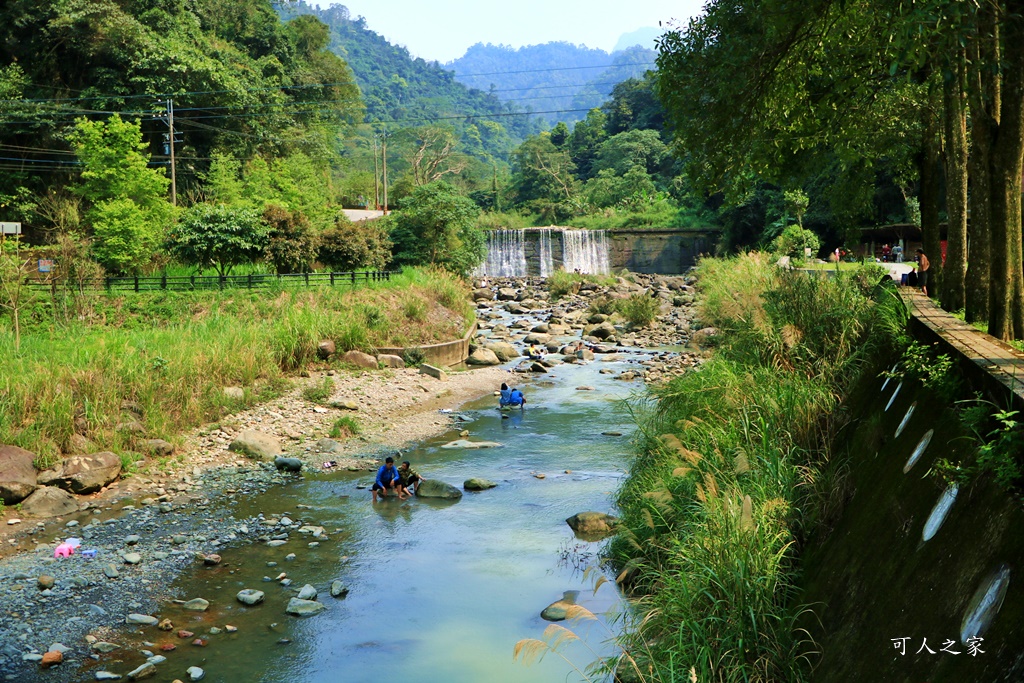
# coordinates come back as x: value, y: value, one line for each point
x: 440, y: 592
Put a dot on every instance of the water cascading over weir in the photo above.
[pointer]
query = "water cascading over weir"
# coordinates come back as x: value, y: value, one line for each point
x: 542, y: 251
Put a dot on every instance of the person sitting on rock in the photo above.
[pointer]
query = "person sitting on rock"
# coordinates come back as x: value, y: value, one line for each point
x: 387, y: 478
x: 407, y: 477
x: 535, y: 353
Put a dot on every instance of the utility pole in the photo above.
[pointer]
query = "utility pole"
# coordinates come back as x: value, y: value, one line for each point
x: 376, y: 176
x: 174, y: 174
x: 384, y: 160
x: 169, y: 148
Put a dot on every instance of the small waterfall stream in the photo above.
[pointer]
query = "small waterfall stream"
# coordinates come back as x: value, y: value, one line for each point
x: 583, y: 250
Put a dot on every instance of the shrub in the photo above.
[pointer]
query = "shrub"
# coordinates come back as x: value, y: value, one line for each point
x: 125, y: 238
x: 794, y: 240
x: 640, y: 309
x: 292, y: 242
x: 356, y: 246
x: 218, y: 237
x: 436, y: 226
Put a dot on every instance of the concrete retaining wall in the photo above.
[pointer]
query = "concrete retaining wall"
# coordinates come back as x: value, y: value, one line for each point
x: 444, y: 354
x: 666, y: 252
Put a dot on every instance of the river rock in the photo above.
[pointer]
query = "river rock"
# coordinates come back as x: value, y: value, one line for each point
x: 506, y: 294
x: 104, y: 647
x: 17, y: 474
x: 195, y: 673
x: 592, y: 524
x: 467, y: 444
x: 107, y: 676
x: 360, y: 359
x: 288, y: 464
x: 49, y: 501
x: 558, y: 610
x: 159, y: 447
x: 433, y: 488
x: 344, y: 404
x: 132, y: 558
x: 250, y: 597
x: 303, y: 608
x: 477, y: 484
x: 234, y: 393
x: 390, y: 360
x: 338, y: 589
x: 196, y: 605
x: 51, y: 658
x: 44, y: 581
x: 483, y: 356
x: 307, y: 593
x: 326, y: 349
x: 256, y: 445
x: 145, y: 671
x: 482, y: 294
x: 503, y: 350
x: 603, y: 330
x: 537, y: 338
x: 585, y: 354
x: 141, y: 620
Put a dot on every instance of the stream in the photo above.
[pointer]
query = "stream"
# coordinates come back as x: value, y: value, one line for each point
x: 439, y: 591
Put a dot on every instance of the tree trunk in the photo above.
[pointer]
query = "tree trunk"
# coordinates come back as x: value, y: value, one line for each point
x: 1006, y: 314
x: 955, y: 118
x: 983, y: 88
x: 931, y: 156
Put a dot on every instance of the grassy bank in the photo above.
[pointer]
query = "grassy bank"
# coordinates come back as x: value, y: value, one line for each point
x: 733, y: 470
x: 161, y: 360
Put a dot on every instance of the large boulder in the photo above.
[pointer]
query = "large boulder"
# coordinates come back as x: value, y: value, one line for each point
x: 503, y: 350
x: 389, y: 360
x: 326, y: 349
x: 482, y: 294
x: 256, y: 445
x: 467, y: 444
x: 592, y: 524
x: 304, y: 608
x: 17, y: 474
x: 537, y: 338
x: 360, y: 359
x: 83, y: 474
x: 49, y: 501
x: 506, y: 294
x: 478, y: 484
x: 602, y: 330
x: 482, y: 356
x: 433, y: 488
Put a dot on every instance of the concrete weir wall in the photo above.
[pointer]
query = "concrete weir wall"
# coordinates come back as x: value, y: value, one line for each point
x: 665, y: 252
x: 443, y: 354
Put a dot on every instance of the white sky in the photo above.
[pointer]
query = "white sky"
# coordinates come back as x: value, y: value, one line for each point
x: 442, y: 29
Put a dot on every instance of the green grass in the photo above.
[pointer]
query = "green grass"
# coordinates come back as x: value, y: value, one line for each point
x: 640, y: 309
x: 733, y: 469
x: 344, y: 427
x: 319, y: 392
x: 172, y: 354
x: 561, y: 282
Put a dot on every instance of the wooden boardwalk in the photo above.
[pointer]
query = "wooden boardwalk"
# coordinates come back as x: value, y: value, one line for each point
x: 998, y: 360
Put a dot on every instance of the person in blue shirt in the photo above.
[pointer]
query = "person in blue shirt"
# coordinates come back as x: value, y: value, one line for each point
x: 516, y: 399
x: 387, y: 478
x: 506, y: 395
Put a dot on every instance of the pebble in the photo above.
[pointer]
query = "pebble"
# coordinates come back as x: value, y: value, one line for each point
x: 132, y: 558
x: 141, y: 620
x: 13, y: 521
x: 106, y: 676
x: 132, y: 540
x: 144, y: 671
x: 45, y: 581
x: 195, y: 673
x: 110, y: 571
x: 196, y: 605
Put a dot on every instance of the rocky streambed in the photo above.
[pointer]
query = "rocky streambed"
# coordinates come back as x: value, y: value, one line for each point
x: 112, y: 613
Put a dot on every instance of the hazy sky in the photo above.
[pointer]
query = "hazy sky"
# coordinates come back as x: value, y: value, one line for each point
x: 443, y: 29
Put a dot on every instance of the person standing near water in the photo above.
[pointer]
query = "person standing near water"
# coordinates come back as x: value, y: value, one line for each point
x: 922, y: 271
x: 387, y: 478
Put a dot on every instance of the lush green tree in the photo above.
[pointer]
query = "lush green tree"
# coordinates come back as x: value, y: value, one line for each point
x: 218, y: 237
x: 542, y: 171
x: 587, y: 136
x: 129, y: 211
x: 623, y: 151
x: 355, y: 246
x: 436, y: 225
x: 292, y: 243
x: 794, y: 240
x: 559, y: 135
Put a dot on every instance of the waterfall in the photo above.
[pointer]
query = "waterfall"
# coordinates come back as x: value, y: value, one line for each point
x: 586, y: 250
x: 506, y: 254
x: 547, y: 262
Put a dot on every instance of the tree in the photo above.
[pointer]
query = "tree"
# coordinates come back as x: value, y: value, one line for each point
x: 218, y: 237
x: 587, y: 136
x: 431, y: 153
x: 15, y: 267
x: 130, y: 212
x: 291, y: 241
x: 436, y: 225
x: 355, y: 246
x: 623, y: 151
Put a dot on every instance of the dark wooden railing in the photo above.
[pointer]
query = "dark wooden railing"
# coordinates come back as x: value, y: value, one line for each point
x: 187, y: 283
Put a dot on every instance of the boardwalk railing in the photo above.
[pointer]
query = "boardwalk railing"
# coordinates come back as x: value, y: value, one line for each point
x: 189, y: 283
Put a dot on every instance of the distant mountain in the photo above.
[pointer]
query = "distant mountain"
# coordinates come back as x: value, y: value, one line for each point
x: 553, y: 79
x: 644, y: 37
x: 411, y: 92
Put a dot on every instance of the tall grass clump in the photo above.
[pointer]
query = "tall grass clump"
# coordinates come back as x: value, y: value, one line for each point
x: 170, y: 356
x: 729, y: 473
x: 562, y: 282
x: 640, y: 309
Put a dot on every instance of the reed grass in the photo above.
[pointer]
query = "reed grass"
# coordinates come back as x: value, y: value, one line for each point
x: 733, y: 470
x: 173, y: 353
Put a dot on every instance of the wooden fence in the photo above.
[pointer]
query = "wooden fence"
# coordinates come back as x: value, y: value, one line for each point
x: 188, y: 283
